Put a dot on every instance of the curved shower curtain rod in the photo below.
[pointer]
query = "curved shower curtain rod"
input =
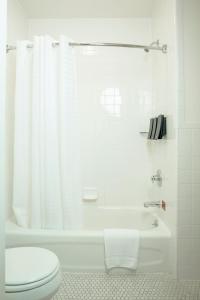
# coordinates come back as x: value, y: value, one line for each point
x: 153, y: 46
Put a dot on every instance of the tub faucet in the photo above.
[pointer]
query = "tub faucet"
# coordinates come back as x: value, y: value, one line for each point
x: 152, y: 204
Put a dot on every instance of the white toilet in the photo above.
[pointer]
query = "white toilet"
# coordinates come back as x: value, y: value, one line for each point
x: 31, y: 274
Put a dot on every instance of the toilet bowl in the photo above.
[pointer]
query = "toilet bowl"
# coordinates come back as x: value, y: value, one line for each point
x: 31, y: 274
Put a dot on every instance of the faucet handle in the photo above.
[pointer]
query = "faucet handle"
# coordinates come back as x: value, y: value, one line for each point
x: 157, y: 177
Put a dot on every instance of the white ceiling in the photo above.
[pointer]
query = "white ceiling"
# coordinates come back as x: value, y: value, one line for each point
x: 87, y: 8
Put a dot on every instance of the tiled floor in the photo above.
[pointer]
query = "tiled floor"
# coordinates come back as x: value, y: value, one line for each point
x: 100, y: 286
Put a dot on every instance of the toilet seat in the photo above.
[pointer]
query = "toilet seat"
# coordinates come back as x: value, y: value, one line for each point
x: 28, y: 268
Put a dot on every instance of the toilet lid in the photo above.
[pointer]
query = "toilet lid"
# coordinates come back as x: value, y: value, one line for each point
x: 33, y: 285
x: 27, y: 265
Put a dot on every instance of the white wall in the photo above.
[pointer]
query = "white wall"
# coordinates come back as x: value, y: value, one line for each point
x: 2, y: 141
x: 17, y: 29
x: 189, y: 141
x: 38, y: 9
x: 163, y: 153
x: 114, y: 155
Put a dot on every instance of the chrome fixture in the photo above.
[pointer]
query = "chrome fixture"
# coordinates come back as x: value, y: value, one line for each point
x: 157, y: 45
x: 153, y: 46
x: 157, y: 177
x: 152, y: 204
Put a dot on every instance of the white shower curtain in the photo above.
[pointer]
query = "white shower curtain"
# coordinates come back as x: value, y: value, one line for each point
x: 46, y: 183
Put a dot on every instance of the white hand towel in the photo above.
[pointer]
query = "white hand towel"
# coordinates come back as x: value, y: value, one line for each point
x: 121, y: 248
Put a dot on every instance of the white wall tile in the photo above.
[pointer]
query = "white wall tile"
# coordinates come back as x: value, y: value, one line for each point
x: 189, y: 258
x: 185, y: 162
x: 196, y: 163
x: 196, y: 177
x: 185, y: 192
x: 191, y: 272
x: 163, y: 154
x: 196, y: 192
x: 189, y: 143
x: 185, y: 176
x: 185, y: 142
x: 196, y: 142
x: 196, y: 233
x: 185, y: 218
x: 185, y: 231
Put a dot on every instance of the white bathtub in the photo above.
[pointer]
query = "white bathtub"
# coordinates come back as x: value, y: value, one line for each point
x: 84, y: 249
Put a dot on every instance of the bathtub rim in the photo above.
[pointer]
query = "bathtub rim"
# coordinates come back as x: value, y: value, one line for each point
x: 15, y: 232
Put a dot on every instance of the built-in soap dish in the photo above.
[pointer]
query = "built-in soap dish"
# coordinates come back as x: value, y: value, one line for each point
x: 90, y: 194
